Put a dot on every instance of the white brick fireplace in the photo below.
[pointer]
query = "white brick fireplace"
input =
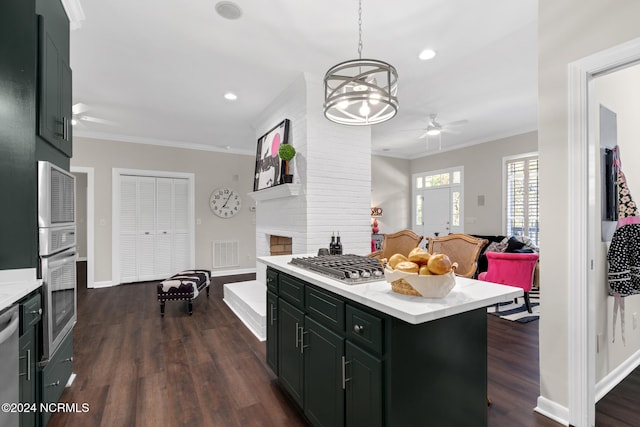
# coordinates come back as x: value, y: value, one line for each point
x: 331, y: 192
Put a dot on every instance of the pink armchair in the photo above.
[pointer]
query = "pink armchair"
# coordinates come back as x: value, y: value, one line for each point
x: 513, y: 269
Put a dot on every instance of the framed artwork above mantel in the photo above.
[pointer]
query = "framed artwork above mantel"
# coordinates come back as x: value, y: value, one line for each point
x: 269, y: 167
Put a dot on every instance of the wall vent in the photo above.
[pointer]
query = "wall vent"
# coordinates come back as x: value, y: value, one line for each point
x: 226, y: 253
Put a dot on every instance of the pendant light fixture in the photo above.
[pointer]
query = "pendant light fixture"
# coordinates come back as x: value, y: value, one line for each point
x: 361, y: 91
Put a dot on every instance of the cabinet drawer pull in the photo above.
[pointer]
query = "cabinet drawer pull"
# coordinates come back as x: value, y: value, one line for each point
x: 56, y: 384
x: 358, y: 329
x: 38, y: 312
x: 68, y: 360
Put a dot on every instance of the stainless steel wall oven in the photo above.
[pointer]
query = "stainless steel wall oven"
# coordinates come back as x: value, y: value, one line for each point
x: 57, y: 235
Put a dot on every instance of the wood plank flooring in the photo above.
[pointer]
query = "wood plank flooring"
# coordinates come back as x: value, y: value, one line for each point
x: 135, y: 368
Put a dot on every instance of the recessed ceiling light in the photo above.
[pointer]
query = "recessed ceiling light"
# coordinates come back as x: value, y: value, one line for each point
x: 427, y: 54
x: 228, y: 10
x: 230, y: 96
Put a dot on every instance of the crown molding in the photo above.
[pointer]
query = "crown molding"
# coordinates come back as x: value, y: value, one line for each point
x: 74, y: 13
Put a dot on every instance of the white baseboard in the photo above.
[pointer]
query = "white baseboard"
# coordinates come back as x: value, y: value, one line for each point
x: 553, y: 410
x: 616, y: 376
x: 219, y: 273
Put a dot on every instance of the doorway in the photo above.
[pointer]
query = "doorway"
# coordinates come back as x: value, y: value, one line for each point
x: 437, y: 202
x: 583, y: 149
x: 85, y: 222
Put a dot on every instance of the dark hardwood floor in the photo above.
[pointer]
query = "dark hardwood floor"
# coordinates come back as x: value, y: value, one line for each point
x: 135, y: 368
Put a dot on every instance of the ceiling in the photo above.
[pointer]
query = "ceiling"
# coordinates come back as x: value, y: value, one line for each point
x: 157, y: 70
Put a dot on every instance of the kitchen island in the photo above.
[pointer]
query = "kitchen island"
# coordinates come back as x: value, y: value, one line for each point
x: 363, y: 355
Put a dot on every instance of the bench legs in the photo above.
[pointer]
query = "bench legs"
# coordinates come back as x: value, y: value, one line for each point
x: 189, y: 305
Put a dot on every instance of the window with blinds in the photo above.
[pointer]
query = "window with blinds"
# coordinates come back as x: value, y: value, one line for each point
x: 522, y: 212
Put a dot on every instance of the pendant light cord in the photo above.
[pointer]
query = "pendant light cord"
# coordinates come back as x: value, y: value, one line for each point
x: 360, y: 29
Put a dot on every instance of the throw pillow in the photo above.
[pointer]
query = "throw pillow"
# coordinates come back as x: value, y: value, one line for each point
x: 496, y: 247
x: 514, y: 244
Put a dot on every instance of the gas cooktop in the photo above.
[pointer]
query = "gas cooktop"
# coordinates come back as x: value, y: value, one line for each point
x: 350, y: 269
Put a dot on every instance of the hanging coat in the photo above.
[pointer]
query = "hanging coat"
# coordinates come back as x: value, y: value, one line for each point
x: 624, y: 251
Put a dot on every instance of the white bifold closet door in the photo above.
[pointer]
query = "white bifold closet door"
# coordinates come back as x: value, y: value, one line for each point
x: 154, y: 227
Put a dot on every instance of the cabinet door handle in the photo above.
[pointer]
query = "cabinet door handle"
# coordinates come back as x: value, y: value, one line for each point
x: 57, y: 383
x: 297, y: 331
x: 28, y: 373
x: 68, y: 360
x: 271, y: 309
x: 358, y: 329
x: 38, y: 312
x: 345, y: 362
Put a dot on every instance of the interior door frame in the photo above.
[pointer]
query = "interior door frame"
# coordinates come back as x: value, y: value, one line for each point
x: 90, y: 221
x: 582, y: 145
x: 115, y: 212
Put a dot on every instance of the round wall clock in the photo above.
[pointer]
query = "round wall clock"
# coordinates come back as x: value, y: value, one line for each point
x: 225, y: 202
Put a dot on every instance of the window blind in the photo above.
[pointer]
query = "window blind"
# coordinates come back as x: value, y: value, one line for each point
x: 522, y: 216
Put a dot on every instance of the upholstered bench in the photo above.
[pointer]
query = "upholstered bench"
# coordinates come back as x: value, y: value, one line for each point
x: 184, y: 286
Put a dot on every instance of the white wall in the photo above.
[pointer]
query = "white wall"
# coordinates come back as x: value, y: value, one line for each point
x: 211, y: 170
x: 391, y: 191
x: 482, y: 177
x: 613, y: 91
x: 568, y: 30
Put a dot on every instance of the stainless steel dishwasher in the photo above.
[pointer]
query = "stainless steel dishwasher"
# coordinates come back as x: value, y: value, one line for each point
x: 9, y: 352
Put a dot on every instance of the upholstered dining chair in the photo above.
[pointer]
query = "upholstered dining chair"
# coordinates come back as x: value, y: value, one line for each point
x: 401, y: 242
x: 461, y: 248
x: 512, y: 269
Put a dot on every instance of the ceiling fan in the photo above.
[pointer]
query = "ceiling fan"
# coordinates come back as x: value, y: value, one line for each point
x: 435, y: 128
x: 79, y: 117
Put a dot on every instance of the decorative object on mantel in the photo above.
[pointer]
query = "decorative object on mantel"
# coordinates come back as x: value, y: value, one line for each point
x: 286, y: 152
x: 360, y: 91
x: 268, y: 165
x: 376, y: 211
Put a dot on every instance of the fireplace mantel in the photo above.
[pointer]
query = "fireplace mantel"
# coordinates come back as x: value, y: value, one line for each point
x: 277, y: 192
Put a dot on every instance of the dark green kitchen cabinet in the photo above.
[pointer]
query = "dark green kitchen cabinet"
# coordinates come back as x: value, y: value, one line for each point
x: 363, y: 378
x: 28, y: 376
x: 30, y: 316
x: 272, y: 331
x: 324, y: 375
x: 54, y: 106
x: 18, y: 80
x: 290, y: 356
x: 331, y: 379
x: 347, y: 364
x: 55, y: 374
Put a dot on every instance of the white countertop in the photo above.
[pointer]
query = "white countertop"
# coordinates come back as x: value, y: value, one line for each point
x: 467, y: 295
x: 16, y: 284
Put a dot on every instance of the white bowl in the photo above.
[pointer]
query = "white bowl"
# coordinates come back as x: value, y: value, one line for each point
x: 431, y: 286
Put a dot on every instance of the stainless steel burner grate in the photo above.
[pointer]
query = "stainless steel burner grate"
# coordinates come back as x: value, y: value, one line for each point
x: 349, y: 268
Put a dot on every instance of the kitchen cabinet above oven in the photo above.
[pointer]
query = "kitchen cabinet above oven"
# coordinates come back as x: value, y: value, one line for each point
x: 54, y: 84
